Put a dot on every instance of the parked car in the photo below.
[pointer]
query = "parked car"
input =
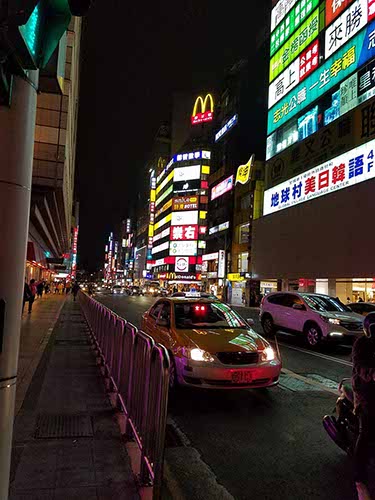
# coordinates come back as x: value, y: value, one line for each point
x: 363, y: 308
x: 210, y: 345
x: 318, y: 317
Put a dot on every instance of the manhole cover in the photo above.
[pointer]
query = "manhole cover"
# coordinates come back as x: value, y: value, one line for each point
x: 63, y: 426
x: 71, y: 342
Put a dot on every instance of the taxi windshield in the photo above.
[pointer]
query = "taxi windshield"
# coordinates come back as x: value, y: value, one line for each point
x: 206, y: 315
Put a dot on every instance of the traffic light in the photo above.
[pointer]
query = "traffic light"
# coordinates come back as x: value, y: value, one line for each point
x: 36, y: 26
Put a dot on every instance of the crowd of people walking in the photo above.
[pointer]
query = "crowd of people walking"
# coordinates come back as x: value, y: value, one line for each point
x: 35, y: 290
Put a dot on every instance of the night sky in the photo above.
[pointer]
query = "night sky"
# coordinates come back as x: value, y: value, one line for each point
x: 134, y: 56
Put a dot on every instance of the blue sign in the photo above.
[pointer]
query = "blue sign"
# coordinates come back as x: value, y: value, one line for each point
x: 230, y: 123
x: 339, y: 66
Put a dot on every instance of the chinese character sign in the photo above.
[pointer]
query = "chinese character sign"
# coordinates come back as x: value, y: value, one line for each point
x: 337, y: 68
x: 334, y: 8
x: 184, y: 233
x: 353, y: 167
x: 345, y: 27
x: 185, y: 203
x: 298, y: 42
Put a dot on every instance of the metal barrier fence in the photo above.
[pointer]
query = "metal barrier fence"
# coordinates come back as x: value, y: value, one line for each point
x: 138, y: 370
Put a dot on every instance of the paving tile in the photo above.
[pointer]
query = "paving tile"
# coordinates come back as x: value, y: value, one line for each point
x: 30, y: 494
x: 123, y: 490
x: 86, y: 493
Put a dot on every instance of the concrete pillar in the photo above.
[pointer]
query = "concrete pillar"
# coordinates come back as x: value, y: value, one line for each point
x: 285, y: 285
x: 17, y: 129
x: 332, y: 288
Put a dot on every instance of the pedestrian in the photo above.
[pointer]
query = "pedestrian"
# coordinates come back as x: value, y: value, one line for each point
x: 360, y: 299
x: 75, y: 290
x: 33, y: 293
x: 61, y: 288
x: 39, y: 289
x: 348, y: 301
x: 68, y: 287
x: 363, y: 380
x: 26, y: 294
x: 46, y: 288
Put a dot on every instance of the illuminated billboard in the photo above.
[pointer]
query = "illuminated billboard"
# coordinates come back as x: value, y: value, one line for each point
x: 187, y: 173
x: 223, y: 187
x: 184, y: 233
x: 301, y: 39
x: 226, y: 127
x: 346, y: 170
x: 345, y: 27
x: 344, y: 62
x: 280, y: 11
x: 185, y: 248
x: 184, y: 218
x: 185, y: 203
x: 203, y: 111
x: 334, y: 8
x: 182, y: 265
x: 291, y: 22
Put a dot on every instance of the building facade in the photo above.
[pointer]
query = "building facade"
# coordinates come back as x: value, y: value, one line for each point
x: 52, y: 230
x: 314, y: 233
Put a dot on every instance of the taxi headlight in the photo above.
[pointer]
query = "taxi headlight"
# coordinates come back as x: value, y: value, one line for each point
x: 199, y: 355
x: 268, y: 354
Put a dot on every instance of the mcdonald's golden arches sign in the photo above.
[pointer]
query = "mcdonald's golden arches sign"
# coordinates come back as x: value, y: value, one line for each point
x: 203, y: 111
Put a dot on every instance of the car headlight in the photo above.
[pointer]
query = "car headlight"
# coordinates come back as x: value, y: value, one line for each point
x: 268, y: 354
x: 334, y: 321
x: 199, y: 355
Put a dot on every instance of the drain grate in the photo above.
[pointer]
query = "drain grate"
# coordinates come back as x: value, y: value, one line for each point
x: 72, y: 342
x: 63, y: 426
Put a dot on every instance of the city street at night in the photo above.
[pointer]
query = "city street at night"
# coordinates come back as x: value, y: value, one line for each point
x: 260, y: 443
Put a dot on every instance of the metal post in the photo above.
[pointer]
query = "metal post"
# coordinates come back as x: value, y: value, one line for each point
x: 17, y: 128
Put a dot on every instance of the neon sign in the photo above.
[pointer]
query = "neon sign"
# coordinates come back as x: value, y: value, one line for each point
x: 205, y: 115
x: 230, y: 124
x: 348, y: 169
x: 222, y: 188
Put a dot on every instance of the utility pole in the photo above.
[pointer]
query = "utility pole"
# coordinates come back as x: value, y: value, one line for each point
x: 17, y: 127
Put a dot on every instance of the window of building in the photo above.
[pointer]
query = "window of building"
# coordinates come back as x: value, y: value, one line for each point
x: 243, y: 262
x: 245, y: 201
x: 244, y: 232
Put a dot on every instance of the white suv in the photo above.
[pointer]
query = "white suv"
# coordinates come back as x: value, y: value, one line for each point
x: 318, y: 317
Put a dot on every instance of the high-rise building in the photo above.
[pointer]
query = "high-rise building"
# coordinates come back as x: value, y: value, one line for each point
x: 314, y: 233
x: 51, y: 238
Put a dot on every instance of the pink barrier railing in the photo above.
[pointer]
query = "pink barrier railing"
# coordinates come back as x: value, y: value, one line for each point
x: 138, y: 370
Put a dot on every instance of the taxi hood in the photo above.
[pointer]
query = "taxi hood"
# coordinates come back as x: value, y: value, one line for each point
x: 215, y: 340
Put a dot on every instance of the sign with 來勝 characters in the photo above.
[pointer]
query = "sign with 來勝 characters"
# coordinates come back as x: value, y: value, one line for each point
x: 350, y: 168
x: 353, y: 129
x: 337, y: 68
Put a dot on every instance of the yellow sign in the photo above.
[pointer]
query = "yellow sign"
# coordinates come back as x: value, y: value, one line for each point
x: 244, y: 171
x: 234, y: 277
x: 205, y: 114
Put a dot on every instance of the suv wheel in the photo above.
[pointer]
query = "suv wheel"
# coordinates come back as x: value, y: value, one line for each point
x: 313, y: 334
x: 267, y: 325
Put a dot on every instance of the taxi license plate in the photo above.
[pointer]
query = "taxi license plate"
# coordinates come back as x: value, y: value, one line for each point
x: 241, y: 377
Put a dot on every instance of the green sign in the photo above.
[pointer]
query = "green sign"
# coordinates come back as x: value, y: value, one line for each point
x: 289, y: 24
x: 339, y: 66
x: 31, y: 31
x: 305, y: 34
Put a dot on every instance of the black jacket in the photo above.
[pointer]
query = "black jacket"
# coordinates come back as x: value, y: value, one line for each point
x: 363, y: 372
x: 26, y: 292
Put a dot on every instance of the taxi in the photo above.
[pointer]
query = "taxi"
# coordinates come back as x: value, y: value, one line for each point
x: 210, y: 345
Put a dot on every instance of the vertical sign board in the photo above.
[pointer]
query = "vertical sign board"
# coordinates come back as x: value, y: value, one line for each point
x: 221, y: 264
x: 345, y: 27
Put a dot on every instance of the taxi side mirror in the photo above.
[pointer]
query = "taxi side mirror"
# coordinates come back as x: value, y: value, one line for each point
x: 250, y: 322
x: 163, y: 322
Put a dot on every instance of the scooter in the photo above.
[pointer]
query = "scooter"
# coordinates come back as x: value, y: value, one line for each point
x: 342, y: 427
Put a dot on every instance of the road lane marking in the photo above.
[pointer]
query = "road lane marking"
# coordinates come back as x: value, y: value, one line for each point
x: 305, y: 380
x: 318, y: 355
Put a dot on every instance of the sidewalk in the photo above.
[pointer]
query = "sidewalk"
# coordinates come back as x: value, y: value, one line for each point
x: 66, y: 441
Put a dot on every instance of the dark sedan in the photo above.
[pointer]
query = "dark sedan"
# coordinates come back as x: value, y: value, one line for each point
x: 363, y: 308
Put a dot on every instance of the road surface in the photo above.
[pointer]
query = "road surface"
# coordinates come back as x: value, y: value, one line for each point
x: 267, y: 444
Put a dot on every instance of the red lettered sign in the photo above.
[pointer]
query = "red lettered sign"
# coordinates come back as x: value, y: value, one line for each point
x: 334, y: 8
x: 184, y: 233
